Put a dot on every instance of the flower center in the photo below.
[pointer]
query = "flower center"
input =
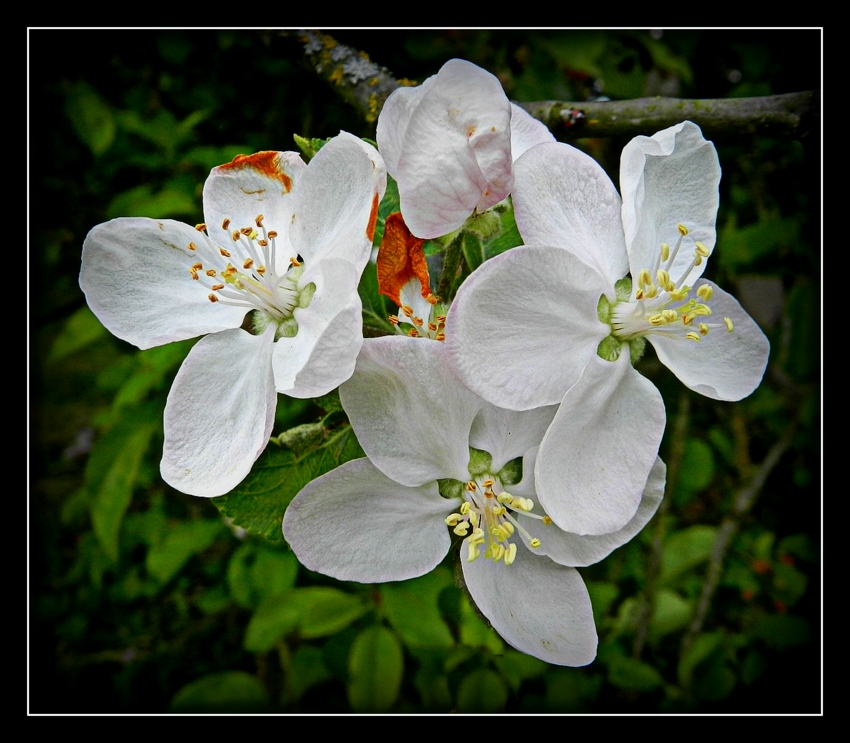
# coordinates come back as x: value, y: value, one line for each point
x: 414, y: 307
x: 245, y: 274
x: 490, y: 513
x: 663, y: 305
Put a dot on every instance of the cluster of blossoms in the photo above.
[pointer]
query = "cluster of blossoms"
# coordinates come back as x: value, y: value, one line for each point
x: 512, y: 420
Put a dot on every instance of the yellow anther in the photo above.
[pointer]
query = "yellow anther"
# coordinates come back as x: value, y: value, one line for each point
x: 489, y: 493
x: 272, y: 234
x: 225, y: 224
x: 192, y: 246
x: 682, y: 229
x: 465, y: 506
x: 702, y: 249
x: 525, y: 504
x: 657, y: 320
x: 238, y: 284
x: 432, y: 326
x: 687, y: 319
x: 224, y: 252
x: 248, y: 263
x: 478, y: 536
x: 201, y: 227
x: 263, y: 243
x: 235, y: 235
x: 662, y: 277
x: 510, y: 554
x: 407, y: 310
x: 294, y: 262
x: 197, y: 266
x: 246, y: 230
x: 497, y: 552
x: 471, y: 486
x: 499, y: 510
x: 440, y: 337
x: 697, y: 259
x: 692, y: 336
x: 505, y: 498
x: 705, y: 292
x: 547, y: 520
x: 210, y: 272
x: 261, y: 270
x: 670, y: 315
x: 665, y: 251
x: 679, y: 294
x: 534, y: 543
x: 639, y: 294
x: 258, y: 220
x: 452, y: 519
x: 229, y: 271
x: 212, y: 298
x: 644, y: 278
x: 394, y: 319
x: 441, y: 319
x: 417, y: 321
x: 729, y: 326
x: 193, y: 273
x: 461, y: 528
x: 431, y: 299
x: 217, y: 287
x: 413, y: 333
x: 488, y: 483
x: 473, y: 551
x: 650, y: 291
x: 703, y: 329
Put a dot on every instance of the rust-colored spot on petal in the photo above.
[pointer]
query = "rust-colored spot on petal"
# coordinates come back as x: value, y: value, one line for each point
x: 265, y: 162
x: 400, y: 259
x: 373, y: 218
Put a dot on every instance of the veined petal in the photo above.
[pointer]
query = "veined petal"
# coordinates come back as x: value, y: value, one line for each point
x: 723, y: 365
x: 355, y: 523
x: 456, y: 153
x: 322, y: 354
x: 537, y: 606
x: 526, y: 131
x: 250, y: 186
x: 564, y: 199
x: 393, y: 121
x: 219, y: 412
x: 669, y: 179
x: 136, y: 277
x: 571, y: 549
x: 410, y: 414
x: 595, y: 459
x: 508, y: 434
x: 523, y: 325
x: 336, y: 202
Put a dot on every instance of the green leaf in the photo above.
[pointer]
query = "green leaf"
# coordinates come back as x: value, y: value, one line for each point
x: 671, y: 613
x: 375, y: 667
x: 306, y: 669
x: 516, y: 667
x: 782, y: 631
x: 90, y: 117
x: 81, y: 329
x: 633, y: 675
x: 112, y: 470
x: 482, y: 690
x: 703, y: 646
x: 737, y: 247
x: 233, y: 692
x: 141, y: 201
x: 433, y: 688
x: 258, y: 503
x: 602, y: 595
x: 314, y: 611
x: 256, y: 572
x: 685, y: 550
x: 374, y: 304
x: 412, y: 609
x: 697, y: 468
x: 475, y: 633
x: 183, y: 540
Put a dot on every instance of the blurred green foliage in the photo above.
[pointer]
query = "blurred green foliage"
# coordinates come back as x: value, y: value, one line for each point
x: 145, y: 600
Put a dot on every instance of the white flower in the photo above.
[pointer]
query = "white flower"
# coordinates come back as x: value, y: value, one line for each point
x: 284, y: 241
x: 547, y: 322
x: 450, y: 142
x: 441, y: 459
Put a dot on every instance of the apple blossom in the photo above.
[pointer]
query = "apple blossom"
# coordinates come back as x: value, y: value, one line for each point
x: 441, y: 460
x: 554, y: 321
x: 281, y: 253
x: 450, y: 142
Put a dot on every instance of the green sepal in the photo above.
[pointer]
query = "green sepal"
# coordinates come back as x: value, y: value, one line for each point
x: 623, y: 288
x: 511, y: 473
x: 603, y: 310
x: 303, y: 438
x: 309, y: 147
x: 609, y: 348
x: 636, y: 348
x: 480, y: 462
x: 450, y: 488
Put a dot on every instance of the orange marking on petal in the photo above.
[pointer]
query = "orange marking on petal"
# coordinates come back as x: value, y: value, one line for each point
x: 400, y: 259
x: 373, y: 218
x: 265, y: 163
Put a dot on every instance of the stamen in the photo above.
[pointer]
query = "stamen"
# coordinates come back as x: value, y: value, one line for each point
x: 728, y: 323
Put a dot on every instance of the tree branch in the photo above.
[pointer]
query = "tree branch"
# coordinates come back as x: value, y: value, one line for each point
x: 791, y: 114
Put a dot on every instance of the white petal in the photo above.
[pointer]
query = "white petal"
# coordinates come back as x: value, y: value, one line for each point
x: 526, y: 131
x: 219, y: 413
x: 354, y: 523
x: 393, y: 121
x: 596, y: 456
x: 135, y: 275
x: 411, y: 416
x: 723, y: 365
x: 571, y: 549
x: 456, y: 153
x: 322, y: 354
x: 667, y: 179
x: 564, y: 199
x: 508, y: 434
x: 336, y: 202
x: 523, y: 325
x: 539, y: 607
x: 253, y: 185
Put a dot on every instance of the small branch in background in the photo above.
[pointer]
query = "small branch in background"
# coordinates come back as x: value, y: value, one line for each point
x: 653, y: 568
x: 741, y: 505
x: 791, y: 114
x: 355, y: 78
